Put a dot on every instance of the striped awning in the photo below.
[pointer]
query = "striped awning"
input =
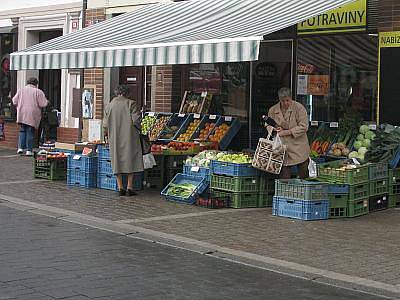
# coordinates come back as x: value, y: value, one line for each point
x: 187, y: 32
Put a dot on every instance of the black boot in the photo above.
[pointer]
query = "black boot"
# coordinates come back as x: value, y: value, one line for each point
x: 131, y: 193
x: 121, y: 193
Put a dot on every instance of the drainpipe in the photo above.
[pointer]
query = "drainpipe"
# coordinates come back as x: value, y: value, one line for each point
x: 82, y: 75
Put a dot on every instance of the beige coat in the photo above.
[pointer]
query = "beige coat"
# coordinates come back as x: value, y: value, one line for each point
x: 296, y: 120
x: 125, y: 149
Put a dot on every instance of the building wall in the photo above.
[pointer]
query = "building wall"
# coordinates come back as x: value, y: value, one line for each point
x: 389, y: 15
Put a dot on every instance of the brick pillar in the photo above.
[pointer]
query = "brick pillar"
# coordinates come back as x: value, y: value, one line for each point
x: 11, y: 130
x: 389, y: 15
x: 168, y: 88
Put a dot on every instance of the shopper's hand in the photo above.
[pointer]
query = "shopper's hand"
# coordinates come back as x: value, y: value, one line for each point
x: 284, y: 132
x: 278, y: 129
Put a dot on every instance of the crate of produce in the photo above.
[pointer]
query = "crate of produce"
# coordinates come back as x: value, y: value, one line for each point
x: 338, y: 188
x: 82, y: 163
x: 180, y: 149
x: 213, y: 202
x: 394, y: 200
x: 265, y: 199
x: 148, y: 121
x: 235, y: 184
x: 104, y: 166
x: 184, y: 188
x: 205, y: 128
x: 188, y: 128
x: 103, y: 151
x: 301, y: 209
x: 109, y: 181
x: 301, y: 189
x: 76, y: 177
x: 232, y: 169
x: 224, y: 131
x: 378, y: 187
x: 343, y: 171
x: 338, y: 205
x: 378, y: 202
x: 239, y: 200
x: 159, y: 124
x: 197, y: 171
x: 171, y: 129
x: 378, y: 171
x: 357, y: 207
x: 52, y: 169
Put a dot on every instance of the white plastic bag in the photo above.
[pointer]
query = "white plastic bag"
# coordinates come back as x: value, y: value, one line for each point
x: 277, y: 142
x: 149, y: 161
x: 312, y: 168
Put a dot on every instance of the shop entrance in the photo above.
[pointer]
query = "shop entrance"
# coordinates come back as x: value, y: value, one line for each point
x: 133, y: 77
x: 272, y: 71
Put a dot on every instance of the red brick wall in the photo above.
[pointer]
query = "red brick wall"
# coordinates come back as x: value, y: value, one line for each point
x: 168, y: 89
x: 67, y: 135
x: 389, y: 15
x: 11, y: 130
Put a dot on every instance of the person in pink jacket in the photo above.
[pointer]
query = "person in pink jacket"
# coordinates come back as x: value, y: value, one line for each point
x: 29, y: 102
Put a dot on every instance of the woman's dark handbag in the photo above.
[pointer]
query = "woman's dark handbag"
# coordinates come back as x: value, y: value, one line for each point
x: 146, y: 145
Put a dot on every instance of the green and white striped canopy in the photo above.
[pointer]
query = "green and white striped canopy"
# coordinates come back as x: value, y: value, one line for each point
x: 187, y: 32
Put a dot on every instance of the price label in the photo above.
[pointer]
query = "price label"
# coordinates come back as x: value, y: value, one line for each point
x: 152, y: 114
x: 175, y: 164
x: 228, y: 119
x: 196, y: 116
x: 372, y: 126
x: 181, y: 115
x: 333, y: 124
x: 384, y: 198
x: 195, y: 169
x: 76, y: 157
x: 203, y: 94
x: 254, y: 181
x: 314, y: 123
x: 212, y: 117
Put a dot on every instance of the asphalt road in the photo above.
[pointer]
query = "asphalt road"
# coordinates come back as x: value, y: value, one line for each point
x: 45, y: 258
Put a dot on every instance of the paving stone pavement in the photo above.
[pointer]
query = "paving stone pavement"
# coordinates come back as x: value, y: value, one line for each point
x: 365, y: 247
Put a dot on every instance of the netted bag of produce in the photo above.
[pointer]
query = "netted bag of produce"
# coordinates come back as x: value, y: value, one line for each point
x: 270, y: 154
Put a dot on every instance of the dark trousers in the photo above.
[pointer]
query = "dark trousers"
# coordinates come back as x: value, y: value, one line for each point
x: 302, y: 168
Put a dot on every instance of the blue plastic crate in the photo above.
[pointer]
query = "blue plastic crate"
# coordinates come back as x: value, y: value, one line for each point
x: 103, y: 151
x: 338, y: 188
x: 232, y: 169
x: 80, y: 178
x: 200, y: 183
x: 301, y: 209
x: 232, y: 132
x: 82, y: 163
x: 197, y: 171
x: 104, y: 166
x: 177, y: 120
x: 109, y: 181
x: 394, y: 162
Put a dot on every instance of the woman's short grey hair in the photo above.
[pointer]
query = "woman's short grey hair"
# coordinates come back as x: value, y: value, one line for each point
x: 284, y: 92
x: 122, y: 90
x: 32, y: 81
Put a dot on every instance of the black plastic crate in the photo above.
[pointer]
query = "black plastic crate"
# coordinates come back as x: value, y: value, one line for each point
x: 379, y: 202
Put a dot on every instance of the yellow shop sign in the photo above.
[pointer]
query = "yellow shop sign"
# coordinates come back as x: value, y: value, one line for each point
x: 349, y: 17
x: 389, y: 39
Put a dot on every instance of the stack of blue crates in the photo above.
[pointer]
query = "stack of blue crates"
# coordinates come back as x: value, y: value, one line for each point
x: 106, y: 179
x: 82, y: 170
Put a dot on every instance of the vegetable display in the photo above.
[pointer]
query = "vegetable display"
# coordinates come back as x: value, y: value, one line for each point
x: 384, y: 145
x: 203, y: 159
x: 362, y: 143
x: 183, y: 190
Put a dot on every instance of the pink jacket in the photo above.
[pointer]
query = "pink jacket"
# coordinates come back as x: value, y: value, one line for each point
x: 29, y: 101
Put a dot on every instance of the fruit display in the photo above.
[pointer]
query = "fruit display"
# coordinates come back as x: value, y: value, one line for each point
x: 158, y: 126
x: 180, y: 146
x: 147, y: 122
x: 156, y: 149
x: 44, y: 155
x: 219, y: 132
x: 362, y: 143
x: 168, y: 132
x: 191, y: 103
x: 203, y: 134
x: 237, y: 158
x: 191, y: 128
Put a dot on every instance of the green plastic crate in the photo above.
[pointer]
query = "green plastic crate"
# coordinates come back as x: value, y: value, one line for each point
x: 235, y: 184
x: 51, y: 169
x: 394, y: 200
x: 331, y: 172
x: 301, y: 189
x: 265, y: 199
x: 394, y: 188
x: 358, y: 207
x: 378, y: 171
x: 238, y: 200
x: 338, y: 205
x: 394, y: 176
x: 359, y: 191
x: 378, y: 187
x: 267, y: 183
x: 175, y: 161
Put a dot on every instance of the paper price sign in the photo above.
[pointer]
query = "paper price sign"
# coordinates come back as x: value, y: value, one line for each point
x: 372, y: 126
x: 196, y: 116
x: 228, y: 119
x: 333, y: 124
x: 152, y: 114
x: 76, y: 157
x: 314, y: 123
x: 181, y: 115
x: 212, y: 117
x: 195, y: 169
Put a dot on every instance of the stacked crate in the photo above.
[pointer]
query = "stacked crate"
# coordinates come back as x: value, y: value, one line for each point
x: 349, y: 189
x: 241, y: 183
x: 155, y: 177
x: 300, y: 199
x: 106, y: 179
x: 82, y: 170
x: 51, y: 169
x: 394, y: 187
x: 173, y: 166
x: 379, y: 186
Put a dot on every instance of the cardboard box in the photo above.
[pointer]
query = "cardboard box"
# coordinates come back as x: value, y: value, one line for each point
x: 78, y: 147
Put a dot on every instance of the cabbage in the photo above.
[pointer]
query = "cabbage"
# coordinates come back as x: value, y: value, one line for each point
x: 369, y: 135
x: 353, y: 154
x: 360, y: 137
x: 366, y: 143
x: 358, y: 145
x: 364, y: 129
x: 362, y: 150
x: 361, y: 157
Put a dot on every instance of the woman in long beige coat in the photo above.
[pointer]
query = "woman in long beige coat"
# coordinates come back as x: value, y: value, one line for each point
x: 292, y: 126
x: 121, y: 127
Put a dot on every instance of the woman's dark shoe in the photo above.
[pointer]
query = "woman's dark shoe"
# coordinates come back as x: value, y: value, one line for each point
x: 131, y: 193
x: 121, y: 193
